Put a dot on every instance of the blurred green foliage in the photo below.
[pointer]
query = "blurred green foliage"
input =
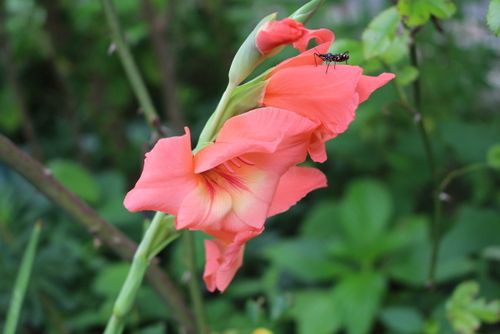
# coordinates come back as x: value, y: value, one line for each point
x: 353, y: 258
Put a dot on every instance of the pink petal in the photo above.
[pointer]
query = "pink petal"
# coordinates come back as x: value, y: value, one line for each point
x: 320, y: 35
x: 277, y: 33
x: 294, y: 185
x: 317, y: 149
x: 203, y: 206
x: 329, y: 98
x: 166, y: 178
x: 251, y: 207
x: 214, y: 276
x: 222, y: 260
x: 259, y: 130
x: 368, y: 84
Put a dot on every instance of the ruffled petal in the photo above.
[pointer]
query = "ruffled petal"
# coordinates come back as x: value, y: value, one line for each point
x: 277, y: 33
x: 166, y: 178
x: 294, y: 185
x: 368, y: 84
x: 329, y: 98
x: 222, y: 260
x: 317, y: 148
x: 215, y: 276
x: 261, y: 130
x: 320, y: 35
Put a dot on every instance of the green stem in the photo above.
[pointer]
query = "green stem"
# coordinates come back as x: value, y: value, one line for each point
x: 436, y: 227
x: 22, y: 281
x: 130, y: 67
x: 140, y: 263
x: 216, y: 120
x: 419, y: 118
x: 194, y: 287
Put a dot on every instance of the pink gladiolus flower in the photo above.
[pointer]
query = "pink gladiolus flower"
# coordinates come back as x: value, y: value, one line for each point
x: 288, y: 31
x: 329, y: 98
x: 230, y: 187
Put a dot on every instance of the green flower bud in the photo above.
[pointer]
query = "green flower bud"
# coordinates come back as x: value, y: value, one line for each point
x: 304, y: 13
x: 248, y: 56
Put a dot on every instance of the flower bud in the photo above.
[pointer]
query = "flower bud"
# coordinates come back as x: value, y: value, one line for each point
x: 304, y: 13
x: 248, y: 56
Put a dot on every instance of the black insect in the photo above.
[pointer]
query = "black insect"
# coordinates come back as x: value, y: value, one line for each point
x: 331, y: 58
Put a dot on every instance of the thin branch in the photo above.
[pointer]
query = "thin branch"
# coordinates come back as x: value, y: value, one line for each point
x: 160, y: 30
x: 130, y: 67
x: 118, y: 242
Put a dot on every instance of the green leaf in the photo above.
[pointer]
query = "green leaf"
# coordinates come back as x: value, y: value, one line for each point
x: 470, y: 141
x: 358, y: 297
x: 402, y: 319
x: 323, y: 221
x: 493, y: 16
x: 418, y: 12
x: 397, y: 50
x: 76, y: 178
x: 411, y: 265
x: 381, y: 32
x: 406, y: 75
x: 466, y: 312
x: 315, y: 312
x: 365, y: 211
x: 483, y: 224
x: 493, y: 158
x: 305, y: 258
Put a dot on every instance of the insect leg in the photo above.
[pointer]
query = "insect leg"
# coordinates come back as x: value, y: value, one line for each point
x: 327, y: 66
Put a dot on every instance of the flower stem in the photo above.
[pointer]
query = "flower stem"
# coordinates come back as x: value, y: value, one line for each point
x: 217, y: 119
x: 194, y: 288
x: 438, y: 200
x: 144, y: 254
x: 131, y: 69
